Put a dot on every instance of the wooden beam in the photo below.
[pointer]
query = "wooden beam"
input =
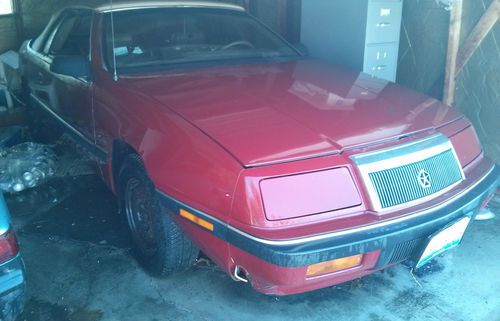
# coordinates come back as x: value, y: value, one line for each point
x: 250, y: 6
x: 19, y: 20
x: 294, y: 20
x: 451, y: 58
x: 283, y: 18
x: 482, y: 28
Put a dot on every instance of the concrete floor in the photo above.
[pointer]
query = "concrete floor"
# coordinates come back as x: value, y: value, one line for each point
x: 79, y: 268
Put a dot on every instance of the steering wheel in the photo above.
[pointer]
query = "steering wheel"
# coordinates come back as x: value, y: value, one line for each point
x: 238, y: 43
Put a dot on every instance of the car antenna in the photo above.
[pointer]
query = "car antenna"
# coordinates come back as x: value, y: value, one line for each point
x: 115, y: 72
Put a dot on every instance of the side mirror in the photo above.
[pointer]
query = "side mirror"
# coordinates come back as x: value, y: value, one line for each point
x: 73, y: 66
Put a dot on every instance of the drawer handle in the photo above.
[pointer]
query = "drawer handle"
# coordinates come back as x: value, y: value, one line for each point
x: 380, y: 67
x: 383, y: 24
x: 380, y: 55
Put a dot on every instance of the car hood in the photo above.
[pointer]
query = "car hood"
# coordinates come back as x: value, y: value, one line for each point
x: 280, y: 112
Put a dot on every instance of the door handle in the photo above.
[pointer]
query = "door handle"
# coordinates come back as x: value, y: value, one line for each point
x: 381, y: 55
x: 383, y: 24
x: 380, y: 67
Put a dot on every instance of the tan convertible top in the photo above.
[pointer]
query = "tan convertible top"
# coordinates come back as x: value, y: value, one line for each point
x: 131, y: 5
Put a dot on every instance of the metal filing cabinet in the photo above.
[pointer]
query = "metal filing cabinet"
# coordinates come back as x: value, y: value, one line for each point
x: 359, y: 34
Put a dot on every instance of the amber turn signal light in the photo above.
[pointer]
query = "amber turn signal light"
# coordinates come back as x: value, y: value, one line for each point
x: 196, y: 220
x: 334, y: 265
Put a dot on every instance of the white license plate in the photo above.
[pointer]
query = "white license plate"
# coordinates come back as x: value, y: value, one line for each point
x: 444, y: 240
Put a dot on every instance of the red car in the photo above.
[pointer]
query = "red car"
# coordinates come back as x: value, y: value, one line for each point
x: 218, y: 135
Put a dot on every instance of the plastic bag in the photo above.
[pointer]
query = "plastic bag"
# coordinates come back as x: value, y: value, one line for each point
x: 25, y: 165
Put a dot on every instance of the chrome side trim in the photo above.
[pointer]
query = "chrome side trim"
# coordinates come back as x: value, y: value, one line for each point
x: 401, y: 155
x: 304, y: 240
x: 99, y: 152
x: 166, y: 4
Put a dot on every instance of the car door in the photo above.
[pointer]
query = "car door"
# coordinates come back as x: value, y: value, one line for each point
x: 69, y: 98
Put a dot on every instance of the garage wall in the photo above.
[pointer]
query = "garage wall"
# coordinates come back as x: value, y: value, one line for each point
x: 478, y: 85
x: 8, y: 38
x: 424, y: 41
x: 283, y: 16
x: 423, y: 46
x: 35, y: 16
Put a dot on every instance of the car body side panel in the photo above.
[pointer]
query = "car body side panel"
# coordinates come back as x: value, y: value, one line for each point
x: 68, y: 97
x: 180, y: 160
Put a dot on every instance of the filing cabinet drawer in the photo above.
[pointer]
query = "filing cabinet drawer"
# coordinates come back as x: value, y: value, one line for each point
x: 381, y: 60
x: 384, y: 21
x: 358, y: 34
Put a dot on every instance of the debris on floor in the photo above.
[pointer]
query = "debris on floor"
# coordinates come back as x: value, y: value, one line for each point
x: 71, y: 161
x: 45, y: 311
x: 432, y: 266
x: 494, y: 204
x: 11, y: 135
x: 25, y: 165
x: 484, y: 215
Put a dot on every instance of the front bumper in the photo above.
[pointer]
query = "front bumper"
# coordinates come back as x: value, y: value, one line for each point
x: 279, y: 266
x: 282, y: 269
x: 12, y: 289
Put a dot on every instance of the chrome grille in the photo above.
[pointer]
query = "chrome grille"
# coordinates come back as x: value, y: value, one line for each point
x: 409, y: 173
x: 400, y: 185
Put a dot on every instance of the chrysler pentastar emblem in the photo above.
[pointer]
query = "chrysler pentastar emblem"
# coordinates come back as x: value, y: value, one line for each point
x: 424, y: 178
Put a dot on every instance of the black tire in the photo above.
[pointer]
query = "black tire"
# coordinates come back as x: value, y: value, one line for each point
x: 159, y: 245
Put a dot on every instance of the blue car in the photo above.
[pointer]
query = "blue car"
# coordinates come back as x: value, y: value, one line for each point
x: 11, y: 269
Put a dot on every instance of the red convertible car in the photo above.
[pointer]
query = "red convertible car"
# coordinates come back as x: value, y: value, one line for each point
x: 219, y: 136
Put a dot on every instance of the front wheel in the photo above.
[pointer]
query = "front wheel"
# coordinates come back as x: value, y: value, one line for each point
x: 159, y: 244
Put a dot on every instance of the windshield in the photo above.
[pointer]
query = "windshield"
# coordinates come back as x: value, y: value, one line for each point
x: 168, y: 36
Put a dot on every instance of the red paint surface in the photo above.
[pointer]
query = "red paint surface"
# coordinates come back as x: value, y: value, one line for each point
x: 467, y: 145
x: 279, y: 112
